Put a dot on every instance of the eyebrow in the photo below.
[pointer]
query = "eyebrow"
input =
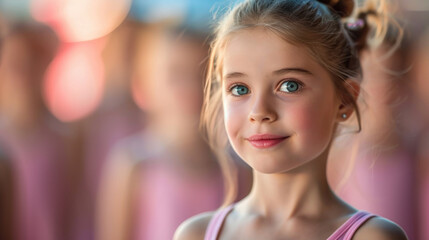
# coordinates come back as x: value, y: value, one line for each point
x: 276, y: 72
x: 288, y: 70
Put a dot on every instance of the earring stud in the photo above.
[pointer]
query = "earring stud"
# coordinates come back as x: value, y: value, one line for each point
x: 344, y: 116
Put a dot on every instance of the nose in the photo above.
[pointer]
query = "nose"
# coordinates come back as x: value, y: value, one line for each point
x: 262, y: 111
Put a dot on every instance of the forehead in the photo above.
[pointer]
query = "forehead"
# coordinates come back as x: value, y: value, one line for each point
x: 258, y: 50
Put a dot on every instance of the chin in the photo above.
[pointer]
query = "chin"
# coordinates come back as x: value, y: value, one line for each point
x: 273, y: 166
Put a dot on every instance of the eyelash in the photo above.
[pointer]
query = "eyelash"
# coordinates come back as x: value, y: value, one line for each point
x: 300, y: 86
x: 231, y: 87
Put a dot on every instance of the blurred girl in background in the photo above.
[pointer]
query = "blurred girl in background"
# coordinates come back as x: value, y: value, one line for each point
x: 166, y: 173
x: 418, y: 125
x: 379, y: 174
x: 31, y: 135
x: 6, y: 180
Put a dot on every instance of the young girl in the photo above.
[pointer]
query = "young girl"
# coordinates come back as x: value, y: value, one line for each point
x: 281, y: 79
x: 379, y: 174
x: 420, y: 99
x: 34, y: 140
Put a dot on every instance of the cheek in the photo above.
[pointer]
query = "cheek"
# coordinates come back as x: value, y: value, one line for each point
x: 188, y: 97
x: 234, y: 117
x: 314, y: 122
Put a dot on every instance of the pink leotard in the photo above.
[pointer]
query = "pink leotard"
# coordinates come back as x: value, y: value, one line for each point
x: 344, y: 232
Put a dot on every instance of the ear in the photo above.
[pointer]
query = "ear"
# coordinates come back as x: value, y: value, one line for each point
x: 348, y: 97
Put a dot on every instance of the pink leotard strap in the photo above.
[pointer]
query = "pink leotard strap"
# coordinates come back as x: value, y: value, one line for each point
x: 216, y: 223
x: 344, y: 232
x: 349, y: 228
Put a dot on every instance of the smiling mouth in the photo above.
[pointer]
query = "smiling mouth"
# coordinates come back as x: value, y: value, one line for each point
x: 265, y: 140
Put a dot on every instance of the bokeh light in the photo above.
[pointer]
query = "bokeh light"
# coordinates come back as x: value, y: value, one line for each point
x: 81, y: 20
x: 73, y: 92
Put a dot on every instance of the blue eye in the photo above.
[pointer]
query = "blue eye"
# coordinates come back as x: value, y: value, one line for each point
x: 239, y: 90
x: 290, y: 86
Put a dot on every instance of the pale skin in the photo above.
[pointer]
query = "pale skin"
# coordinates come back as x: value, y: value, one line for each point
x: 270, y: 86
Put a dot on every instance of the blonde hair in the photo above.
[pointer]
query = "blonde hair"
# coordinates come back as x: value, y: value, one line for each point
x: 319, y: 26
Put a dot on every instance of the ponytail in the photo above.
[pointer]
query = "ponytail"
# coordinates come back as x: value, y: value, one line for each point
x: 373, y: 25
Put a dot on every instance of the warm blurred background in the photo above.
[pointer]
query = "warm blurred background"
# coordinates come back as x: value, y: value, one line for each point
x: 99, y: 114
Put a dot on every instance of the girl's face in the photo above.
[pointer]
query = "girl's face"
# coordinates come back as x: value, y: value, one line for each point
x: 173, y: 79
x: 280, y: 106
x: 18, y: 82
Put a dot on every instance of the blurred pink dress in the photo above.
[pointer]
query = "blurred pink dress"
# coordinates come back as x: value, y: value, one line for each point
x: 40, y: 184
x: 423, y: 184
x: 168, y: 197
x: 166, y: 194
x: 101, y: 131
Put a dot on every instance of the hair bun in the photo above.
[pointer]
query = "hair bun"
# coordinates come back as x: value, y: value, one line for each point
x: 344, y: 8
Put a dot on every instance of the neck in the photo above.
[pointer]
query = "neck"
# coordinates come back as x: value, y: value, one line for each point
x: 303, y: 191
x: 184, y: 144
x: 173, y: 134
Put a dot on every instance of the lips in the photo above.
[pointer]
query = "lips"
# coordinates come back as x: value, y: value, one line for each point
x: 265, y: 140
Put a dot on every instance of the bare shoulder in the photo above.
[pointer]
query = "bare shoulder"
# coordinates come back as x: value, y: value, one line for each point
x: 381, y: 229
x: 194, y: 228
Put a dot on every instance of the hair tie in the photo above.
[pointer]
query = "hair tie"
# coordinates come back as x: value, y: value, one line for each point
x: 358, y: 30
x: 356, y: 25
